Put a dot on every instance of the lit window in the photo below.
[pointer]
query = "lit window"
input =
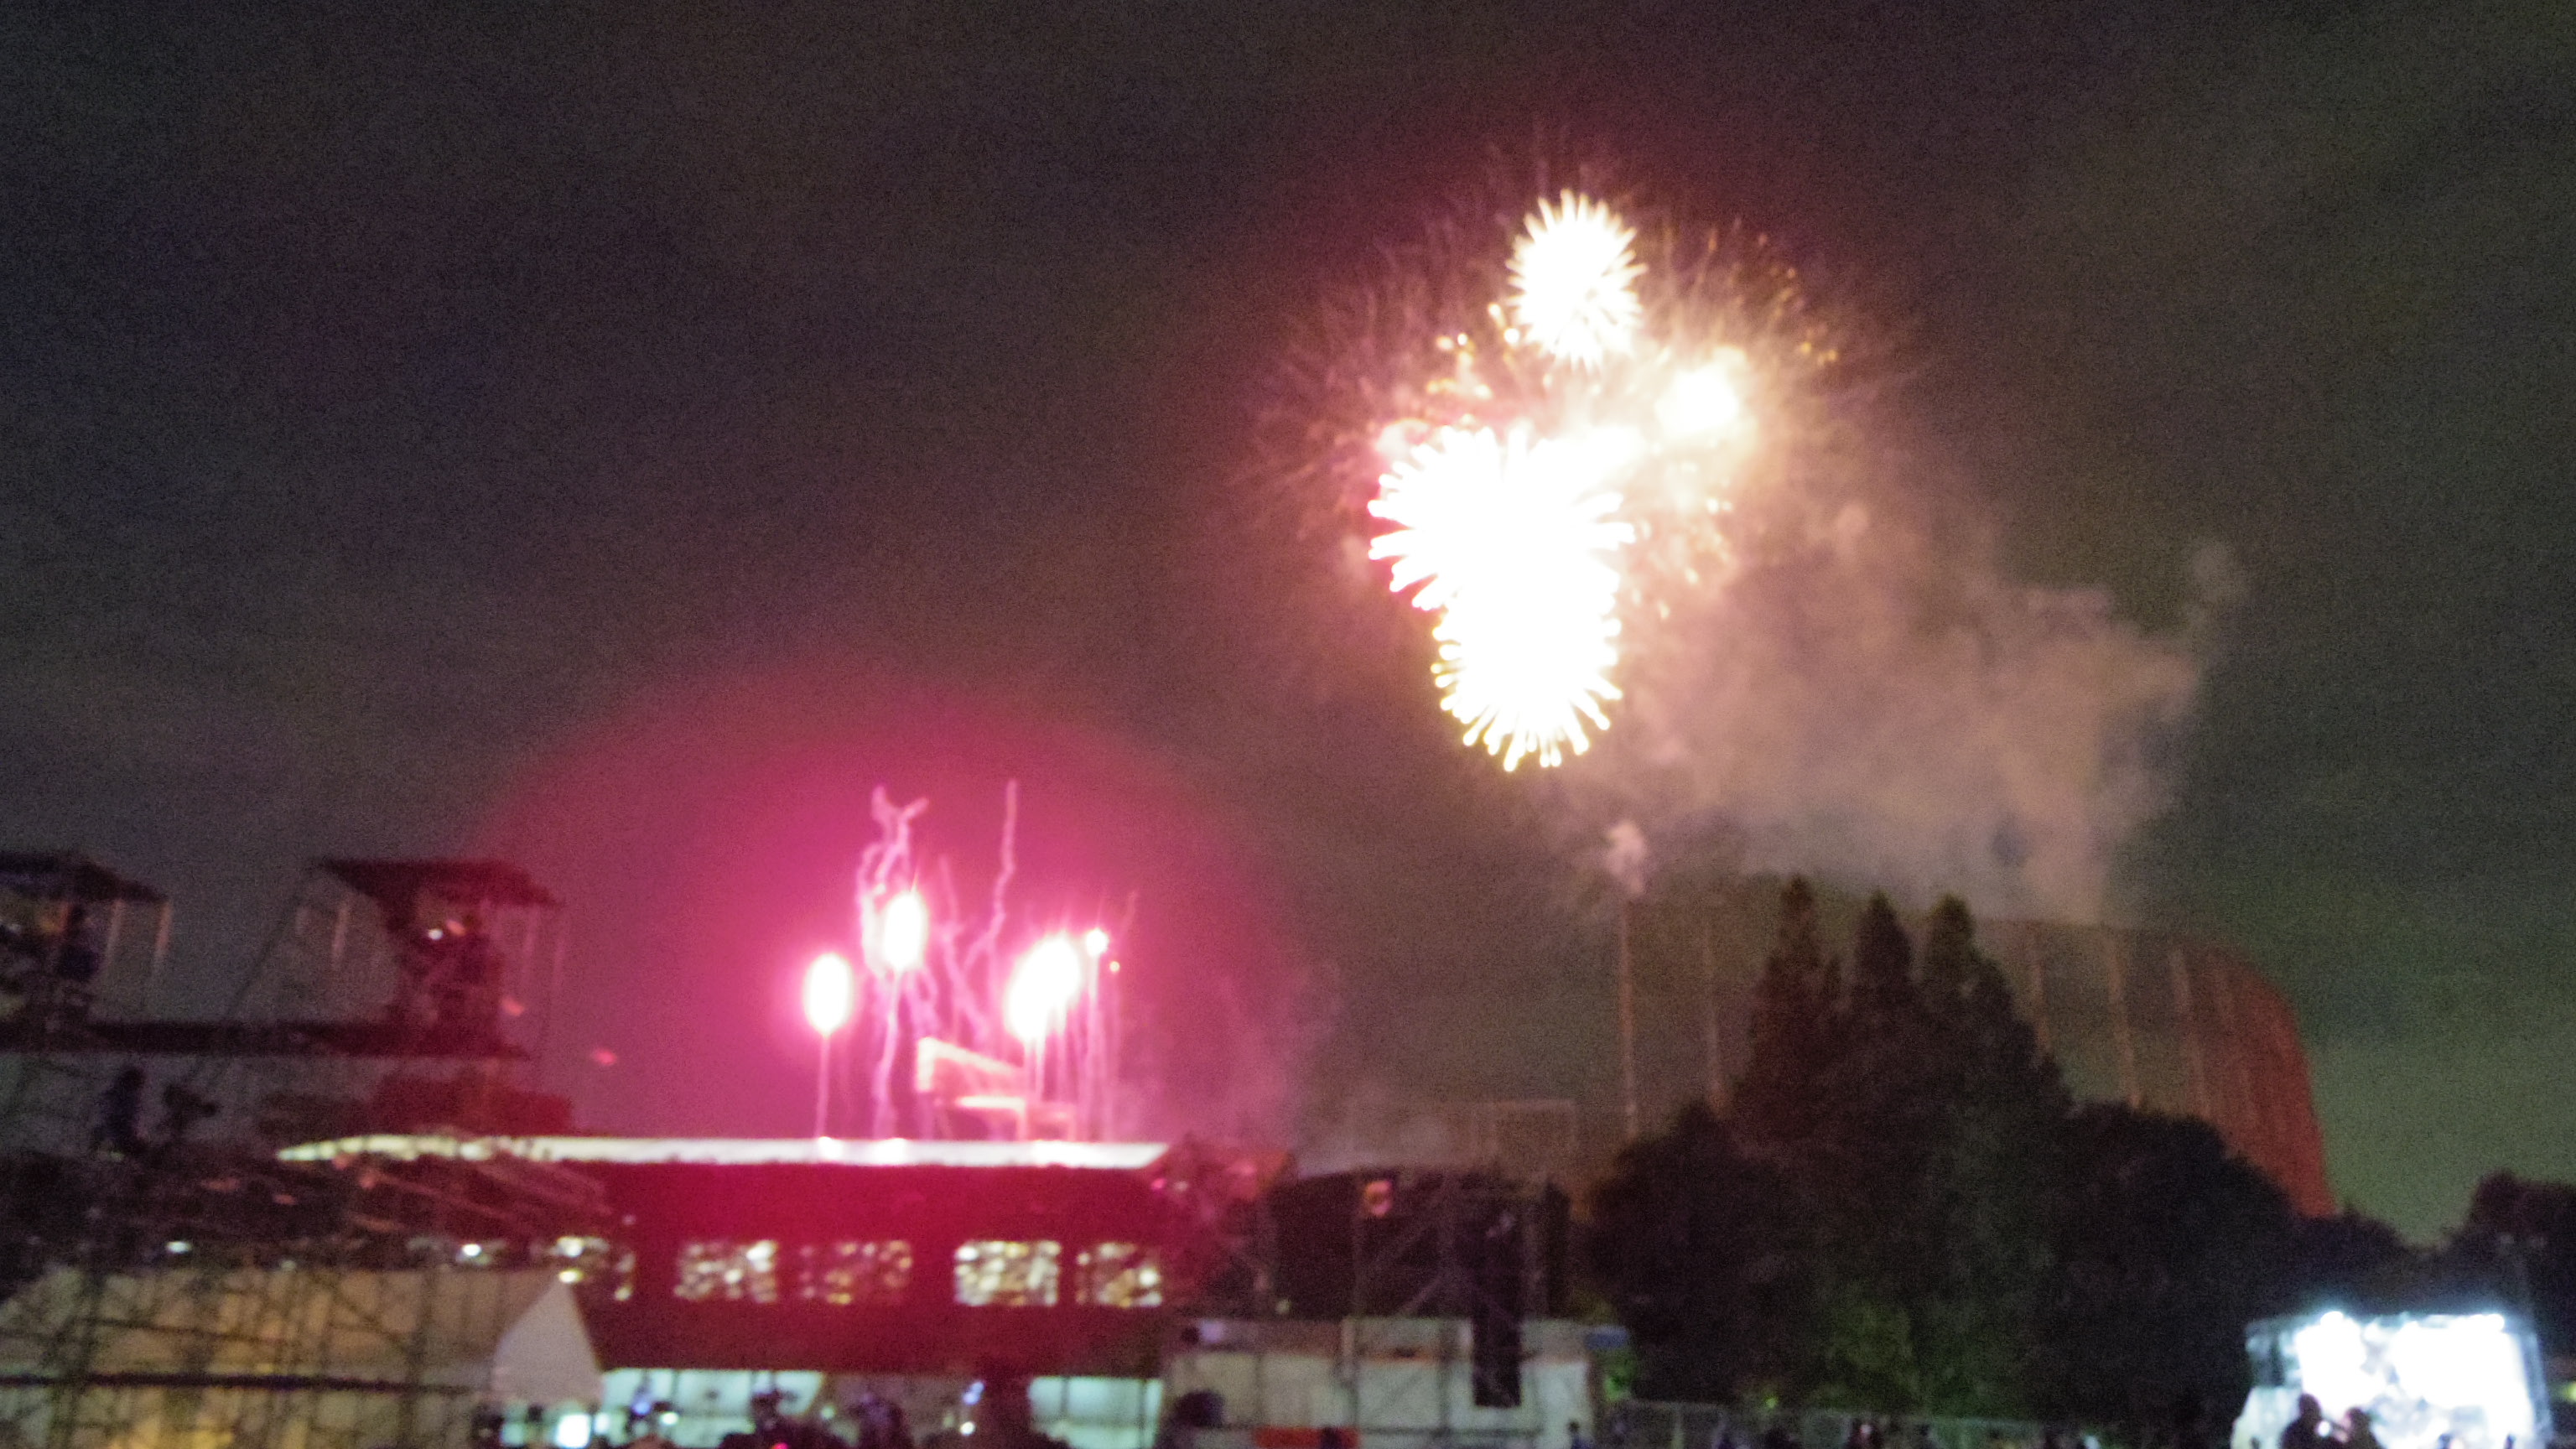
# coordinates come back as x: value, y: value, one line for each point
x: 1119, y: 1275
x: 585, y: 1260
x: 994, y: 1274
x: 722, y: 1272
x: 843, y: 1274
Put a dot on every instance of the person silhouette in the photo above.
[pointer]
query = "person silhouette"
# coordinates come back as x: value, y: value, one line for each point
x: 2308, y: 1430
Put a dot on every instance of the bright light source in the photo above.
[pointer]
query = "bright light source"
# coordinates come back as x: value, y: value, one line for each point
x: 1042, y: 989
x: 830, y: 992
x: 572, y: 1431
x: 1701, y: 403
x: 1096, y: 941
x: 903, y: 935
x: 2424, y: 1378
x: 1512, y: 541
x: 1574, y: 280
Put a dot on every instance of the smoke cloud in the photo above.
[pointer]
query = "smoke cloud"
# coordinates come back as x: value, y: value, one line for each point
x: 1624, y: 857
x: 1865, y: 700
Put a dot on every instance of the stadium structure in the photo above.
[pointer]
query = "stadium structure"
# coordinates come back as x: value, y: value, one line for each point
x: 2163, y: 1021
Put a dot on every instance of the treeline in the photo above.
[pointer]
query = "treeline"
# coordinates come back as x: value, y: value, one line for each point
x: 1902, y: 1209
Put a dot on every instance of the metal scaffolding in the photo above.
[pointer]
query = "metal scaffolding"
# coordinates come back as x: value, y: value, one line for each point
x: 168, y: 1279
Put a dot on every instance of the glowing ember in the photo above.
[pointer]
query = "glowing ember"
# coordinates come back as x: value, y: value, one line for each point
x: 1574, y: 276
x: 1042, y: 990
x: 903, y: 932
x: 830, y: 993
x: 1702, y: 402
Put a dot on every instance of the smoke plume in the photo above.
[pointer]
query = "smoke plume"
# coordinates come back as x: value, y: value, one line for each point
x: 1624, y: 858
x: 1869, y: 702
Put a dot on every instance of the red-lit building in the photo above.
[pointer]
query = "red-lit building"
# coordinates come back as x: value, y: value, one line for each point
x: 895, y: 1257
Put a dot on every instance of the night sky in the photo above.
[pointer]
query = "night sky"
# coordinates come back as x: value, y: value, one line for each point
x: 618, y: 436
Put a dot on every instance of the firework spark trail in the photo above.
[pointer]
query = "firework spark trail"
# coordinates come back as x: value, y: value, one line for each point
x: 989, y: 1035
x: 897, y: 990
x: 922, y: 977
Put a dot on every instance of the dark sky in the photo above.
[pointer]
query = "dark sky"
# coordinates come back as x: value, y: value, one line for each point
x: 620, y: 435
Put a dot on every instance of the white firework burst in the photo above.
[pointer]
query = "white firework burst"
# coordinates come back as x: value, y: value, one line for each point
x: 1574, y: 282
x: 1513, y: 542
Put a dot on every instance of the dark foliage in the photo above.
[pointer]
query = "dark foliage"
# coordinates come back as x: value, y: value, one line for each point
x: 1905, y: 1211
x: 1702, y: 1259
x: 2168, y: 1248
x: 2518, y: 1243
x: 1796, y: 1039
x: 2354, y: 1262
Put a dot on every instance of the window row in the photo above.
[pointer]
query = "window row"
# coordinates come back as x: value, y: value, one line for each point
x: 985, y: 1273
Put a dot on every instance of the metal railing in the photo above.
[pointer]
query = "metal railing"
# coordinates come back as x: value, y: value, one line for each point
x: 1645, y: 1424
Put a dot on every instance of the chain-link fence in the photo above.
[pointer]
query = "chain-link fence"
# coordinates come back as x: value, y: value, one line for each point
x: 1640, y: 1424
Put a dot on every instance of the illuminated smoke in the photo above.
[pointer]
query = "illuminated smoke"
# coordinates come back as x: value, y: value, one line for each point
x: 1624, y: 857
x: 1868, y: 702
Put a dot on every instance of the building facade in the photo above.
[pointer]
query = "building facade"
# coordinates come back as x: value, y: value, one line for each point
x: 2163, y: 1021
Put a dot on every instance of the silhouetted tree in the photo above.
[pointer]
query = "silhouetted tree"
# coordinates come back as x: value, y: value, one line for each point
x: 1695, y: 1244
x: 1795, y: 1034
x: 1867, y: 1176
x: 1921, y: 1144
x: 1995, y: 1179
x: 1904, y: 1211
x: 1943, y: 1161
x: 2518, y: 1244
x: 2353, y: 1261
x: 2169, y: 1246
x: 1883, y: 988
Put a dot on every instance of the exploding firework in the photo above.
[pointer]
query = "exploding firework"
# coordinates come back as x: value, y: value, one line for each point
x: 1574, y: 279
x: 1653, y: 496
x: 1511, y: 541
x: 1566, y: 447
